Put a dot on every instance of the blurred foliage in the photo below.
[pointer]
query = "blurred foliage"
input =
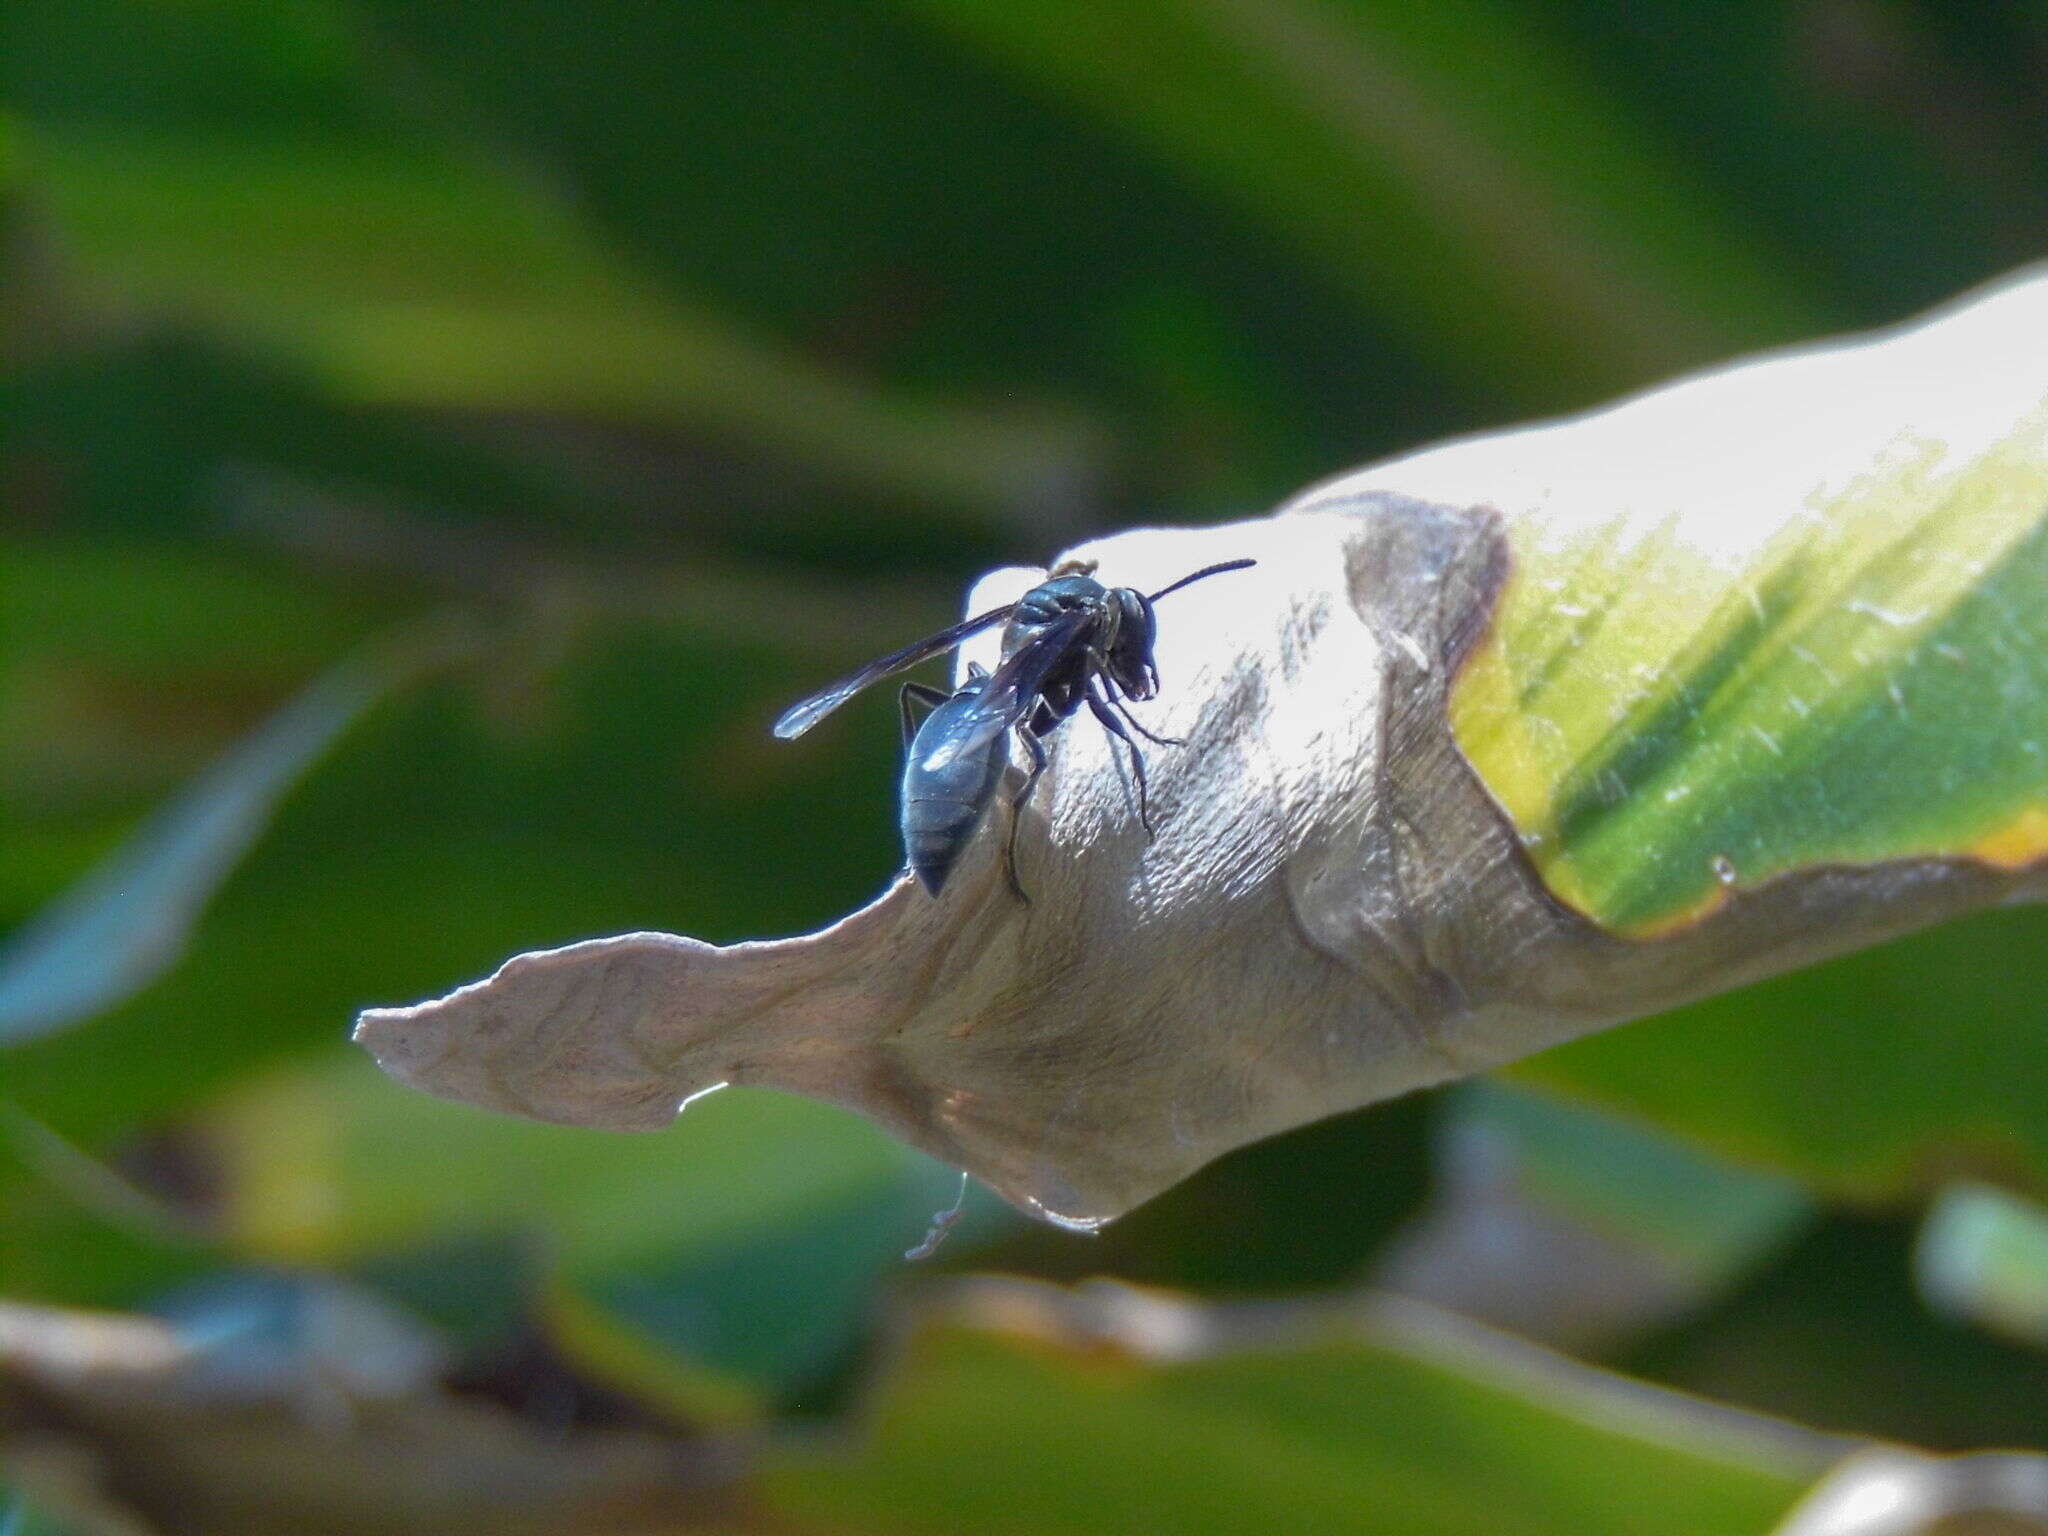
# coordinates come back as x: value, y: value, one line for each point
x: 1874, y: 1076
x: 1344, y: 1434
x: 1983, y: 1257
x: 680, y: 354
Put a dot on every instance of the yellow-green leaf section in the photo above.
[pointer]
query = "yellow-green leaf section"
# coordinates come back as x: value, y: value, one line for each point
x: 401, y: 275
x: 986, y: 1431
x: 1666, y: 724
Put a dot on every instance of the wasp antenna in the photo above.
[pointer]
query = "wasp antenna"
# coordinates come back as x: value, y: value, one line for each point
x: 1207, y: 570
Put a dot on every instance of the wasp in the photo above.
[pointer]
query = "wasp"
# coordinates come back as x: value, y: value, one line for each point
x: 1069, y: 642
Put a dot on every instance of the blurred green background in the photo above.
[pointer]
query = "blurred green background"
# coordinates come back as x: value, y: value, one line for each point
x: 438, y: 436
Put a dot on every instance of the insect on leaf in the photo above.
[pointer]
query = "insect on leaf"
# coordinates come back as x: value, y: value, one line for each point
x: 1498, y: 745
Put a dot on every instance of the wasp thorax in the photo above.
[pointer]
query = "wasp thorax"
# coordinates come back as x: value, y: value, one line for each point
x: 1051, y: 600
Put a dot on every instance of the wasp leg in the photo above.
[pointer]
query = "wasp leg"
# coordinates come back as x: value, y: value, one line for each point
x: 1036, y: 748
x: 930, y: 698
x: 1157, y: 741
x: 1102, y: 711
x: 1116, y: 699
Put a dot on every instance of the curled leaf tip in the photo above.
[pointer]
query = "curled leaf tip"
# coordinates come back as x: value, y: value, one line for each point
x: 1161, y: 998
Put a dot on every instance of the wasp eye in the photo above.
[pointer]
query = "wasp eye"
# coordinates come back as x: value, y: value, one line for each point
x: 1130, y: 649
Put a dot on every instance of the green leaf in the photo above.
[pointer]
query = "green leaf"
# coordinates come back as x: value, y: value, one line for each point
x: 1870, y: 683
x: 746, y: 1239
x: 128, y: 921
x: 1762, y: 110
x: 1439, y: 162
x: 157, y: 613
x: 1703, y: 1214
x: 129, y: 667
x: 1871, y: 1077
x: 1833, y: 1332
x: 402, y: 275
x: 316, y: 1163
x: 77, y: 1232
x: 997, y: 1433
x: 1578, y: 1228
x: 863, y: 180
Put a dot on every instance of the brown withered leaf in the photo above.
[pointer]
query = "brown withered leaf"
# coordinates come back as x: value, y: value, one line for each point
x: 1334, y: 909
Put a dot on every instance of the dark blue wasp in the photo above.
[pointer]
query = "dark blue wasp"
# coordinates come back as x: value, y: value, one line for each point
x: 1070, y: 641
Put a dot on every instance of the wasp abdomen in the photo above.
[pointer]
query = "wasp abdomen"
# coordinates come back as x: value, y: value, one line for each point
x: 943, y: 806
x: 935, y: 831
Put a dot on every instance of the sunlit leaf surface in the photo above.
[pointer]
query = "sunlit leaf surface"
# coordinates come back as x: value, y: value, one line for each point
x: 1667, y: 724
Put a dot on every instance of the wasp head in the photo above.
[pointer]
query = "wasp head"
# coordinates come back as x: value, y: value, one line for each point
x: 1133, y: 630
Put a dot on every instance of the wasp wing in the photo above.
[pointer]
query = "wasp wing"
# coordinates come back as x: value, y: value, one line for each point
x: 800, y: 717
x: 1012, y: 691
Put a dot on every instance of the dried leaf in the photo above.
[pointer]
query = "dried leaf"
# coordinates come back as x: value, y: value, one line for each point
x: 1337, y: 907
